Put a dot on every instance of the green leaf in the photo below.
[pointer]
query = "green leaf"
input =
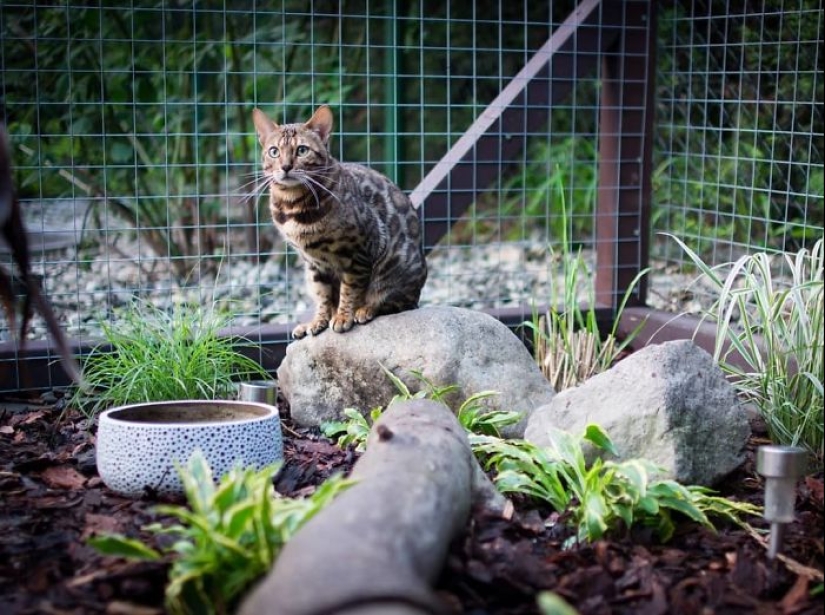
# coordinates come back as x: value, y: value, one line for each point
x: 598, y: 437
x: 563, y: 446
x: 238, y: 519
x: 624, y: 512
x: 402, y: 388
x: 686, y: 508
x: 117, y: 545
x: 635, y: 471
x: 664, y: 526
x: 595, y: 511
x: 198, y: 483
x: 650, y: 505
x: 354, y: 415
x: 332, y: 428
x: 550, y: 603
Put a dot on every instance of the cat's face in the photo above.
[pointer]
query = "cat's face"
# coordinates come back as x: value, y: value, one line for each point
x: 293, y: 153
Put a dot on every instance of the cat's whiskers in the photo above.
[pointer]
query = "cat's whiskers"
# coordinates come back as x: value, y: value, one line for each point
x: 311, y: 180
x: 254, y: 189
x: 310, y: 188
x: 255, y: 182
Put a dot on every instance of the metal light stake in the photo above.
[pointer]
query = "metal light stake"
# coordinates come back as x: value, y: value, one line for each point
x: 781, y: 466
x: 263, y: 391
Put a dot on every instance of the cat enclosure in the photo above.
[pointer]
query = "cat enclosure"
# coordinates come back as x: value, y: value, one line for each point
x: 519, y: 129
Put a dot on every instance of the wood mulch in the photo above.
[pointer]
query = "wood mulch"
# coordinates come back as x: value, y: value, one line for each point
x: 52, y: 500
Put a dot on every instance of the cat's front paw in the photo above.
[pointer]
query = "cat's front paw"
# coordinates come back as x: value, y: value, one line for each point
x: 342, y: 323
x: 300, y: 331
x: 314, y: 328
x: 364, y: 314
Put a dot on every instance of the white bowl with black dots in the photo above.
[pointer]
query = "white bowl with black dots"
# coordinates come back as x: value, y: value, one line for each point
x: 140, y: 446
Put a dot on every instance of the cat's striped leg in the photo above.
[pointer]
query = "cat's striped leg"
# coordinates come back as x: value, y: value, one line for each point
x: 353, y: 293
x: 324, y: 286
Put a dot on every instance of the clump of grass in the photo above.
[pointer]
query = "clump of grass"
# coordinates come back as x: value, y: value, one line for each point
x: 776, y: 327
x: 227, y: 537
x: 568, y: 345
x: 153, y: 355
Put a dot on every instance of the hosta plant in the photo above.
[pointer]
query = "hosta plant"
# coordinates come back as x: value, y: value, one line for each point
x: 602, y: 496
x: 353, y: 431
x: 225, y: 539
x: 474, y: 416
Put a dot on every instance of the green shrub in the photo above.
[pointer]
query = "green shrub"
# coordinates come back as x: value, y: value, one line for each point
x: 471, y: 413
x: 147, y: 129
x: 354, y: 430
x: 532, y: 196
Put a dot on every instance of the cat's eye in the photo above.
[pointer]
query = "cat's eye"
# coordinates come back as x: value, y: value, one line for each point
x: 274, y: 152
x: 302, y: 150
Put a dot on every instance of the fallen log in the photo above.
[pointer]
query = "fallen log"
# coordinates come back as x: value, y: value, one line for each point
x: 379, y: 545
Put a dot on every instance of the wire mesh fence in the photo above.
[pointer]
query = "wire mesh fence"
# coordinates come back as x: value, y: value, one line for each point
x: 136, y: 159
x: 739, y: 150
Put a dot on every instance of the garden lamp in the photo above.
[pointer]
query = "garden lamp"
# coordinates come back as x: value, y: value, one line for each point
x: 781, y: 466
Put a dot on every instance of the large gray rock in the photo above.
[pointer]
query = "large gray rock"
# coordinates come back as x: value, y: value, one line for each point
x: 321, y: 376
x: 669, y: 403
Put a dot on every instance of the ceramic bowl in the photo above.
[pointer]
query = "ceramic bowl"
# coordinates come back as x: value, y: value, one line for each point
x: 140, y: 446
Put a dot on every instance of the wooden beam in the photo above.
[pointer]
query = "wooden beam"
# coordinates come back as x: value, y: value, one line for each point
x: 522, y: 108
x: 626, y: 124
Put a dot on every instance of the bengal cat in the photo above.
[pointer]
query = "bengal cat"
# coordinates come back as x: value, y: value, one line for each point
x: 358, y: 234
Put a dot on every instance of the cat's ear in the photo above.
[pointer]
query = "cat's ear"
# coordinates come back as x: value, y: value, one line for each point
x: 263, y: 125
x: 321, y: 122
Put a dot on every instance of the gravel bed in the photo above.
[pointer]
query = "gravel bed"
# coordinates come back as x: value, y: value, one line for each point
x: 90, y: 284
x: 495, y: 275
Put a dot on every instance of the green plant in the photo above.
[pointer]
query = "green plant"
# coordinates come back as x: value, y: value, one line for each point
x: 477, y: 419
x: 707, y: 195
x: 780, y: 336
x: 605, y: 495
x: 227, y: 537
x: 354, y: 430
x: 153, y: 355
x: 471, y: 414
x: 568, y: 345
x: 524, y: 202
x: 430, y: 390
x: 550, y: 603
x: 723, y: 179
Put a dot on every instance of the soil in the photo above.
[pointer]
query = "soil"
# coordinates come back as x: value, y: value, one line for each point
x: 52, y: 500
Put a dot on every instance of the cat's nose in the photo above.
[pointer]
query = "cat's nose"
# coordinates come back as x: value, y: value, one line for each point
x: 286, y: 168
